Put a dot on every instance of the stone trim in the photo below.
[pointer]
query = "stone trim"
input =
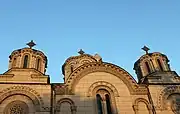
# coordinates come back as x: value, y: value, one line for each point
x: 23, y: 90
x: 85, y: 69
x: 87, y: 56
x: 102, y: 85
x: 164, y: 95
x: 68, y: 100
x: 111, y: 90
x: 28, y: 62
x: 135, y: 105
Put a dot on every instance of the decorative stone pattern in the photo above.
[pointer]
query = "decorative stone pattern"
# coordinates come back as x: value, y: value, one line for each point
x: 165, y: 93
x: 61, y: 89
x: 32, y: 94
x: 67, y: 100
x: 74, y: 62
x: 133, y: 87
x: 17, y: 57
x: 135, y: 105
x: 104, y: 85
x: 16, y: 107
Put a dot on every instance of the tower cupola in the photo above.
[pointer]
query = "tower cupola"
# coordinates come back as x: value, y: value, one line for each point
x: 28, y: 58
x: 150, y: 63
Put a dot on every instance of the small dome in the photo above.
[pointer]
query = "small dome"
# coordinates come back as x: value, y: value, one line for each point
x: 75, y: 61
x: 28, y: 58
x: 149, y: 63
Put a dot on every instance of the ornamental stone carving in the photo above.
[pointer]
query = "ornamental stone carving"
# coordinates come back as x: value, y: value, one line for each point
x: 102, y: 85
x: 23, y: 90
x: 68, y: 100
x: 164, y: 94
x: 85, y: 69
x: 135, y: 105
x: 16, y: 107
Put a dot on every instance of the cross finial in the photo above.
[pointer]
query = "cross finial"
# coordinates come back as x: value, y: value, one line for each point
x: 146, y: 49
x: 31, y: 44
x: 81, y: 52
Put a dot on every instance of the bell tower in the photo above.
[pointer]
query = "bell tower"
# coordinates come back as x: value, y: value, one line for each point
x: 28, y: 58
x: 153, y: 68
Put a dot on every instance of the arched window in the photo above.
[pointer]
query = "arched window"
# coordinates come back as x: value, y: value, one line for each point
x: 71, y: 68
x: 159, y: 64
x: 25, y: 64
x: 38, y: 66
x: 147, y: 67
x: 65, y: 106
x: 173, y: 102
x: 14, y: 62
x: 108, y: 104
x: 103, y: 102
x: 99, y: 104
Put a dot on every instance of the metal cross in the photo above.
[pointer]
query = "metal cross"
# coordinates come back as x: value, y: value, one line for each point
x: 146, y: 49
x: 31, y: 44
x: 81, y: 51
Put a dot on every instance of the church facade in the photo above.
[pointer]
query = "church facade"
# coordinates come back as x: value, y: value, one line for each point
x: 91, y: 86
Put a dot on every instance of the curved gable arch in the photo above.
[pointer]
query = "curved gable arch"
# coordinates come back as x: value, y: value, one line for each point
x: 65, y: 100
x: 25, y: 91
x: 165, y: 93
x: 141, y: 100
x: 85, y: 69
x: 135, y: 105
x: 102, y: 85
x: 68, y: 100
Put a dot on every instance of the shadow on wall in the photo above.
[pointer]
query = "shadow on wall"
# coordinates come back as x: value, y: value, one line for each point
x: 65, y: 102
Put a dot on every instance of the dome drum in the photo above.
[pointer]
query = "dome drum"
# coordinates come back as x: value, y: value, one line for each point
x: 28, y: 58
x: 151, y: 63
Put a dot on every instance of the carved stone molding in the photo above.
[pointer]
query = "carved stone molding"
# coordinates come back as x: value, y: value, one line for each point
x: 164, y: 95
x: 23, y: 90
x: 68, y: 100
x: 102, y: 85
x: 82, y: 56
x: 16, y: 107
x: 61, y: 89
x: 135, y: 105
x: 155, y: 54
x: 85, y: 69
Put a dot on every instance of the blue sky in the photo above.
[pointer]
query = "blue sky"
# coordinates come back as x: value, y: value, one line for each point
x: 115, y: 29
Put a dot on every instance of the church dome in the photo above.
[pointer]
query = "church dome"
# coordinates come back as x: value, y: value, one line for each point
x: 151, y: 62
x: 28, y: 58
x: 74, y: 62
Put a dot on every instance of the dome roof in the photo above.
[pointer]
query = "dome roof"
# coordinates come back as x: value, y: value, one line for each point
x: 30, y: 50
x: 150, y: 55
x: 28, y: 58
x: 79, y: 58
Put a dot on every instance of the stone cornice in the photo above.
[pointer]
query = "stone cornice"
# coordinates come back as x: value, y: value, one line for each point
x: 23, y: 70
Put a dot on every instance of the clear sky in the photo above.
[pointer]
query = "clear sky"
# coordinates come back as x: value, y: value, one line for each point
x: 115, y: 29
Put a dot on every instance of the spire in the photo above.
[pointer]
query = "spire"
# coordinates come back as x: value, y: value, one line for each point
x: 31, y: 44
x: 81, y: 52
x: 146, y: 49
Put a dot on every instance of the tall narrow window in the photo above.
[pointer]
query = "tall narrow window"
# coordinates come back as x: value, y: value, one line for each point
x: 160, y: 65
x: 25, y: 64
x: 99, y: 104
x: 14, y: 63
x: 71, y: 68
x: 38, y: 64
x: 147, y: 67
x: 108, y: 104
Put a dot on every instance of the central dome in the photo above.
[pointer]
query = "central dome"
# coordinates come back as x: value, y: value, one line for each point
x: 74, y: 62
